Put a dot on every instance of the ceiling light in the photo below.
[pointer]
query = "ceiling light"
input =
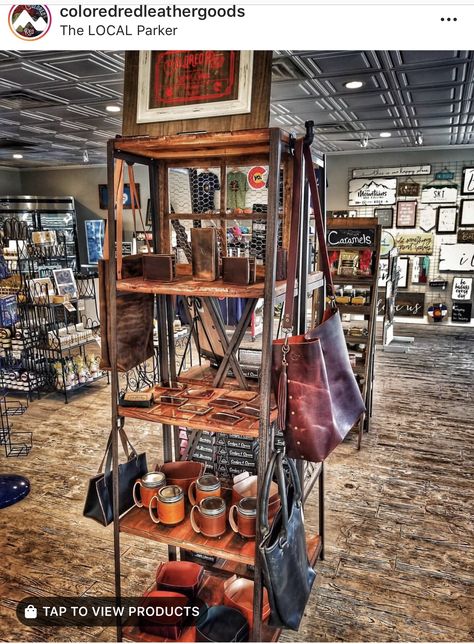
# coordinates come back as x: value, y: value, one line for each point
x: 364, y: 142
x: 112, y: 108
x: 419, y: 139
x: 85, y: 156
x: 385, y: 135
x: 354, y: 84
x: 18, y: 156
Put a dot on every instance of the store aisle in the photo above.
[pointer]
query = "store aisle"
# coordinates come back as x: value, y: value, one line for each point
x: 399, y: 555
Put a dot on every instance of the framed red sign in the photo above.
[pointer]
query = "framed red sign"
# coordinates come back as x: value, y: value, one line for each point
x: 180, y: 85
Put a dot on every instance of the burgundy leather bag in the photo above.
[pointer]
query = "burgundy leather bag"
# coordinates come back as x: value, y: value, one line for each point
x: 317, y: 395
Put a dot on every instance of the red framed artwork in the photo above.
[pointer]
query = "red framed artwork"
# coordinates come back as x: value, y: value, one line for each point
x: 180, y: 85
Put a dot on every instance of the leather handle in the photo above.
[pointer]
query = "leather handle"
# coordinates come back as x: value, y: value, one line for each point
x: 194, y: 525
x: 266, y: 495
x: 233, y: 520
x: 135, y: 203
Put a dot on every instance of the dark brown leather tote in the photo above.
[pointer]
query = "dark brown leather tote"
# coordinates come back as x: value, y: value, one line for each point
x: 318, y: 398
x: 134, y: 321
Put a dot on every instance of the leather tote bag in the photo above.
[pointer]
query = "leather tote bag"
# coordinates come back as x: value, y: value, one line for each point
x: 317, y: 394
x: 99, y: 498
x: 287, y: 573
x: 134, y: 318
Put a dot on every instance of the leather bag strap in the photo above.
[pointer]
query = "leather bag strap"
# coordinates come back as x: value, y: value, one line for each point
x: 135, y: 203
x: 275, y: 464
x: 119, y: 228
x: 302, y: 158
x: 118, y: 173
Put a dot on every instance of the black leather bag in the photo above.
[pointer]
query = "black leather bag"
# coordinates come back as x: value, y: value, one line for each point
x: 222, y: 624
x: 287, y: 573
x: 99, y: 498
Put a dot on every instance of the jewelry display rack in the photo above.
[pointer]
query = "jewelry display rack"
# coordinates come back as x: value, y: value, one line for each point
x: 271, y: 148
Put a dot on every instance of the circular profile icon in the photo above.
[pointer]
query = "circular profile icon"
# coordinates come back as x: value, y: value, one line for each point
x: 29, y: 21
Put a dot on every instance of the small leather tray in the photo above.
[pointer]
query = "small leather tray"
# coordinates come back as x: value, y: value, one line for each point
x: 199, y: 392
x: 192, y: 408
x: 172, y: 400
x: 226, y: 403
x: 226, y: 419
x: 252, y: 412
x: 241, y: 394
x: 159, y: 267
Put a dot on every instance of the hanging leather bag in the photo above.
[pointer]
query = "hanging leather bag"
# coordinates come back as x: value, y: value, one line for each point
x: 99, y: 498
x: 134, y: 317
x: 317, y: 394
x: 287, y: 573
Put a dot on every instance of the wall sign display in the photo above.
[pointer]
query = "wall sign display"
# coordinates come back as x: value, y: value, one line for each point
x: 406, y: 214
x: 467, y: 212
x: 465, y: 236
x: 456, y: 257
x: 420, y: 270
x: 444, y: 175
x: 373, y: 192
x: 176, y: 85
x: 427, y: 217
x: 438, y: 283
x: 402, y: 266
x: 414, y: 243
x: 351, y: 237
x: 397, y: 171
x: 439, y: 194
x: 438, y: 312
x: 461, y: 312
x: 467, y: 181
x: 383, y: 272
x: 95, y: 231
x: 446, y: 220
x: 385, y: 217
x: 410, y: 305
x: 462, y: 288
x: 387, y: 242
x: 408, y: 188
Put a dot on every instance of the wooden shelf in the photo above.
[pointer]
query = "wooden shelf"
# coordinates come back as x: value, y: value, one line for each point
x: 351, y: 281
x: 185, y: 285
x: 171, y: 415
x: 212, y: 593
x: 355, y: 309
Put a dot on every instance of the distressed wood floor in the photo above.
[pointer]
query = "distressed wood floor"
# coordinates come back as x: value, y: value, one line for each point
x: 399, y: 551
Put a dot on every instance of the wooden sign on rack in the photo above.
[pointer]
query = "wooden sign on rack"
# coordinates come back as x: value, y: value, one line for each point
x: 346, y: 237
x: 415, y: 243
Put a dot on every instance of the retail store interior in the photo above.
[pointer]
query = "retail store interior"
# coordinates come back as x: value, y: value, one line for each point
x: 390, y: 512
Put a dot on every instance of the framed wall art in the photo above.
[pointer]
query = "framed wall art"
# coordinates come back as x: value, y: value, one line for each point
x: 410, y: 305
x: 466, y: 217
x: 461, y: 312
x: 467, y: 181
x: 406, y: 214
x: 458, y: 258
x: 402, y: 269
x: 408, y: 188
x: 383, y: 272
x: 397, y: 171
x: 127, y: 200
x: 462, y: 288
x: 95, y: 232
x: 180, y: 85
x: 439, y: 194
x: 372, y: 192
x: 65, y: 282
x: 446, y: 220
x: 465, y: 236
x: 415, y: 243
x: 427, y: 217
x: 385, y: 217
x: 420, y: 270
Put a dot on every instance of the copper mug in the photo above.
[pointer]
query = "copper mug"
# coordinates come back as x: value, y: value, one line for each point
x: 245, y: 523
x: 206, y: 485
x: 149, y: 485
x: 169, y: 503
x: 212, y: 517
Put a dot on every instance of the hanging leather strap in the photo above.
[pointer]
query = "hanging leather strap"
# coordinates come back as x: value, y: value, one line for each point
x: 303, y: 154
x: 135, y: 203
x: 118, y: 173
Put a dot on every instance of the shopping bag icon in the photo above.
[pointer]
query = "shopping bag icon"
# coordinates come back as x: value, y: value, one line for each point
x: 31, y: 612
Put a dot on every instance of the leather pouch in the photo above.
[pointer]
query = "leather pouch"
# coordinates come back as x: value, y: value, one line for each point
x: 238, y: 593
x: 169, y: 625
x: 239, y: 270
x: 204, y: 254
x: 159, y: 267
x: 180, y: 577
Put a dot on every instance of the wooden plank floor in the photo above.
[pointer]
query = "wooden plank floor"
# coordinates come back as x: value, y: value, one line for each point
x: 399, y: 553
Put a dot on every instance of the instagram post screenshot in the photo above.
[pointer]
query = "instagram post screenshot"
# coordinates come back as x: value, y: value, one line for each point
x: 236, y: 321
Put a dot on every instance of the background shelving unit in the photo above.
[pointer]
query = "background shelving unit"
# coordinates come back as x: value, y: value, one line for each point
x: 164, y: 156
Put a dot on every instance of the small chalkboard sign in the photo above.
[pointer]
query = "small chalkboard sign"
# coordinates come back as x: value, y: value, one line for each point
x: 351, y: 237
x: 461, y: 312
x: 466, y: 236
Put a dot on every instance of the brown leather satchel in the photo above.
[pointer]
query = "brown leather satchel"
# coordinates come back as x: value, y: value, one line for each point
x: 134, y: 319
x: 317, y: 395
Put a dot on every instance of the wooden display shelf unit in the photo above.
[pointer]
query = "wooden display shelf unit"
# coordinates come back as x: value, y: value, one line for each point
x: 271, y: 148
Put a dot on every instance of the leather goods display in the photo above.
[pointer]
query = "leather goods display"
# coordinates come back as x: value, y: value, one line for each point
x: 317, y: 394
x: 169, y: 505
x: 246, y: 485
x: 209, y: 517
x: 205, y: 259
x: 147, y: 487
x: 287, y: 573
x: 222, y: 624
x: 243, y: 517
x: 204, y: 486
x: 182, y: 473
x: 159, y: 267
x: 238, y: 594
x: 168, y: 623
x: 180, y: 577
x: 99, y: 498
x: 239, y: 270
x: 134, y: 311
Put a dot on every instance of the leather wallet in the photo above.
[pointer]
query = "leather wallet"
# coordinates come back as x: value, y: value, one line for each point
x: 282, y: 258
x: 239, y: 270
x: 204, y: 254
x: 159, y: 267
